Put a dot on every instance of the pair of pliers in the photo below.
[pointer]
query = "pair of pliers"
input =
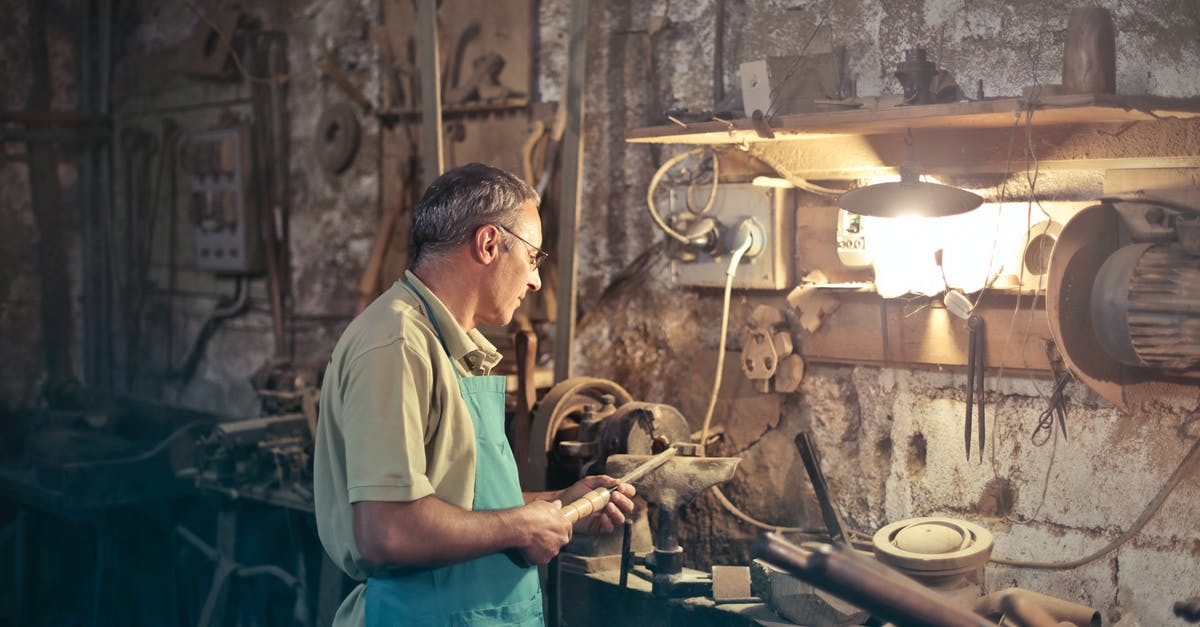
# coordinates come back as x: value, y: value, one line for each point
x: 975, y: 366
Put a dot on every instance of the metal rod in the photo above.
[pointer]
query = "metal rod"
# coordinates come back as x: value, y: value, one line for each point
x: 833, y: 522
x: 431, y: 90
x: 860, y: 580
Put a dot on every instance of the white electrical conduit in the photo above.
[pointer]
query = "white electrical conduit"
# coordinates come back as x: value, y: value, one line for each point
x: 662, y: 170
x: 734, y: 260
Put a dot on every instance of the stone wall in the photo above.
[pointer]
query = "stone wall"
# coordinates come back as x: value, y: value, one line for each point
x: 891, y: 438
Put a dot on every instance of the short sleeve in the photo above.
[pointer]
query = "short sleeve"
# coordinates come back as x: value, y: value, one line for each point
x: 385, y: 404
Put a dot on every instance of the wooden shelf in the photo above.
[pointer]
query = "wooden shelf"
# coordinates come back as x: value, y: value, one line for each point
x: 980, y: 114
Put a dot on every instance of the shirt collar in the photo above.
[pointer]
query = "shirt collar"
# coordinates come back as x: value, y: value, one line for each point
x: 470, y: 349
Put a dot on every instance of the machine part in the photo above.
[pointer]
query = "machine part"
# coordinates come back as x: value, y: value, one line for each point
x: 933, y: 549
x: 908, y: 197
x: 976, y: 364
x: 226, y: 222
x: 1145, y: 306
x: 210, y: 47
x: 915, y: 75
x: 1086, y: 241
x: 677, y: 482
x: 559, y: 415
x: 337, y: 137
x: 1188, y: 610
x: 595, y: 500
x: 1035, y: 260
x: 864, y: 582
x: 1061, y: 611
x: 812, y: 464
x: 1089, y: 53
x: 763, y: 215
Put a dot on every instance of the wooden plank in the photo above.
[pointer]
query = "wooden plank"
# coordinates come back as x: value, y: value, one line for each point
x: 431, y: 91
x: 941, y: 152
x: 572, y: 187
x: 920, y: 332
x: 1051, y: 110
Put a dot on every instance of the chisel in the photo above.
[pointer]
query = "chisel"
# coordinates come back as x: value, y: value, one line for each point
x: 595, y: 500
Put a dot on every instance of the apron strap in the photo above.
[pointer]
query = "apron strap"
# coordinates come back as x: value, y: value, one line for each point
x: 436, y: 327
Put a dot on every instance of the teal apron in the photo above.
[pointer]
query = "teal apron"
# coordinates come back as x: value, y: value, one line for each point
x: 490, y: 590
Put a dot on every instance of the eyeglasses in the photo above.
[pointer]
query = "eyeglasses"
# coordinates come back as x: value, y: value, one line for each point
x: 538, y: 256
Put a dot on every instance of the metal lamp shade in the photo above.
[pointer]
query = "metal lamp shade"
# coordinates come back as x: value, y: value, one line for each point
x: 908, y: 197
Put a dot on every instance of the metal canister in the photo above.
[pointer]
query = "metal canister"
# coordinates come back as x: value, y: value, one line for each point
x: 1089, y: 57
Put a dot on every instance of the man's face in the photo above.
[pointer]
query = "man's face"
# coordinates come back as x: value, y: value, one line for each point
x: 516, y: 274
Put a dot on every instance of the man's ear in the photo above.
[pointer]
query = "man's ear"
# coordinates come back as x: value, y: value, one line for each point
x: 486, y: 246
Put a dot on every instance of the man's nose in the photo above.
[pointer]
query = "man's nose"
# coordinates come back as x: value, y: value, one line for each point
x: 536, y: 283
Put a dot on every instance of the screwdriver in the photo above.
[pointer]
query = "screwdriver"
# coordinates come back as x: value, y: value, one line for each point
x: 595, y: 500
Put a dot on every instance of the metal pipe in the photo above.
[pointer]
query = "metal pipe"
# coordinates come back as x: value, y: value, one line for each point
x: 1061, y: 610
x: 864, y: 582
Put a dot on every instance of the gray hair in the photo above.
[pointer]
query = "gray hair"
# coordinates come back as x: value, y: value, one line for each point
x: 460, y: 201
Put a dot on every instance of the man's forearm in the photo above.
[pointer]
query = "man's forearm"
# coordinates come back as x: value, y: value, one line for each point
x: 431, y: 532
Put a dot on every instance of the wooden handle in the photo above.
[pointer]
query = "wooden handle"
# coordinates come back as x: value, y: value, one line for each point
x: 587, y: 504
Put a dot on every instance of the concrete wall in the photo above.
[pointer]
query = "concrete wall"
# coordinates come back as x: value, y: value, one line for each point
x: 891, y: 438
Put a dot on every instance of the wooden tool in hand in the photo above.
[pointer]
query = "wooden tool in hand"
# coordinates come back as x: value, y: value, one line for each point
x: 595, y: 500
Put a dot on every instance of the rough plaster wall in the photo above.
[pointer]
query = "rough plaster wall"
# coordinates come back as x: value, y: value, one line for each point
x: 22, y: 370
x: 891, y: 438
x: 333, y: 217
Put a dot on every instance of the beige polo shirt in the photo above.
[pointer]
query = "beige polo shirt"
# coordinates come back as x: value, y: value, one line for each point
x: 393, y: 426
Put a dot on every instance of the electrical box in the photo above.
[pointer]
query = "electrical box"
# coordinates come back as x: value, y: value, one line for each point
x: 225, y: 220
x: 773, y: 209
x: 852, y: 240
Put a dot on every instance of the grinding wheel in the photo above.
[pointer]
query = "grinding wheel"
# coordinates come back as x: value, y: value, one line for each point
x: 337, y: 138
x: 1086, y: 241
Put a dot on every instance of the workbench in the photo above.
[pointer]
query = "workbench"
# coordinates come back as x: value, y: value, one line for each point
x: 596, y: 599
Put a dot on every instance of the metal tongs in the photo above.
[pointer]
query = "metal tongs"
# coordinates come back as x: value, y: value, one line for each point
x: 975, y: 366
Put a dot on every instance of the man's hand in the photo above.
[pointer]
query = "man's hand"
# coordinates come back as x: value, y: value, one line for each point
x: 613, y: 514
x: 547, y: 530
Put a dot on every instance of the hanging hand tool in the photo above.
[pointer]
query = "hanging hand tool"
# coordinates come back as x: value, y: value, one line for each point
x: 975, y: 365
x: 595, y: 500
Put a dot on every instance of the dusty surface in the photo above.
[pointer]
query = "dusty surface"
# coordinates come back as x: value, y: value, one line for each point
x: 891, y: 439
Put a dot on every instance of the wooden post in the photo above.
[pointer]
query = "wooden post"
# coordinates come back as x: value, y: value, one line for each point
x: 572, y: 185
x: 431, y: 90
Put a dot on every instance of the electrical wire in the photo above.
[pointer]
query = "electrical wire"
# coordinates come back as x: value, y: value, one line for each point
x: 657, y: 178
x: 1148, y: 513
x: 734, y: 259
x: 796, y: 181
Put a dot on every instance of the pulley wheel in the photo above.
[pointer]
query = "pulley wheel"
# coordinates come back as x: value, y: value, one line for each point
x: 561, y: 408
x: 338, y: 136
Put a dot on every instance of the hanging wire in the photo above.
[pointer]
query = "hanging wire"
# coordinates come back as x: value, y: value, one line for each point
x: 657, y: 178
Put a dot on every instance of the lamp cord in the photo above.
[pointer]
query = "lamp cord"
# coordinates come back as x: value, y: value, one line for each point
x: 1151, y: 509
x: 734, y: 260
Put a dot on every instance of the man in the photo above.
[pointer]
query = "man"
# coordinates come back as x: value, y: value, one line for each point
x: 416, y: 487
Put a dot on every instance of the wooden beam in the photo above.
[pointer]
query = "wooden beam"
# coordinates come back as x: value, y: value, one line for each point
x: 955, y: 152
x: 572, y: 187
x: 871, y: 120
x: 431, y: 90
